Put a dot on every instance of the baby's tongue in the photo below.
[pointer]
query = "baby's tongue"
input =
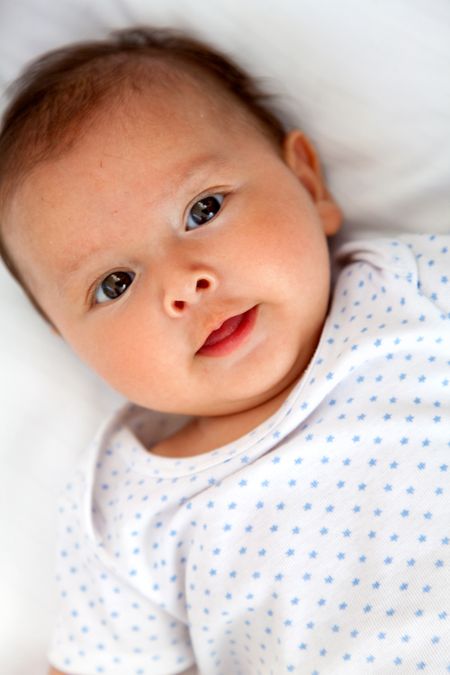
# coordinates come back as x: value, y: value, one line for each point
x: 228, y: 327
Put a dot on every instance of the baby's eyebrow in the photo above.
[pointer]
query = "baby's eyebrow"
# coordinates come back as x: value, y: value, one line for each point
x: 195, y: 167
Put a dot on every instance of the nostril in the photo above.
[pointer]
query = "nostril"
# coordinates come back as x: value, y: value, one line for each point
x: 202, y: 283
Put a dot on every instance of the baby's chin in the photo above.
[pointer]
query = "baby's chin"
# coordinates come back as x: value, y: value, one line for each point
x: 259, y: 381
x: 261, y: 403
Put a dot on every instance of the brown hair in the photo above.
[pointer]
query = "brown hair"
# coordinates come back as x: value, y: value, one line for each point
x: 63, y: 89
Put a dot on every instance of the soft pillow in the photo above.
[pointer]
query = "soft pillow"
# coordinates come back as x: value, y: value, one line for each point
x: 367, y: 81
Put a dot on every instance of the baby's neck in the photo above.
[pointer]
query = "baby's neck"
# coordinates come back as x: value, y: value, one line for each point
x: 203, y: 434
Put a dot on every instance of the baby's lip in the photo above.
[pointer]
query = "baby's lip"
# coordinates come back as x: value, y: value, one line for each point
x: 230, y: 334
x: 218, y: 323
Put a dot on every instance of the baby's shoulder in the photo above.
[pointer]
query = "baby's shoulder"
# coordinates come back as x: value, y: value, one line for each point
x: 405, y: 252
x: 419, y: 263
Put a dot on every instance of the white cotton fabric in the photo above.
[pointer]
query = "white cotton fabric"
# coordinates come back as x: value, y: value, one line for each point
x: 317, y: 543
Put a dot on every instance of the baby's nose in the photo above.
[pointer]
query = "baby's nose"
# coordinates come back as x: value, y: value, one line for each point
x: 188, y: 290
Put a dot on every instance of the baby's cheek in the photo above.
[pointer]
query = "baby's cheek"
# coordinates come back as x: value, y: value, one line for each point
x: 136, y: 364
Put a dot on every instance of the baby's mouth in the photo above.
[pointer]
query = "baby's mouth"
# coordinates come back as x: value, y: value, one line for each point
x: 229, y: 335
x: 227, y: 328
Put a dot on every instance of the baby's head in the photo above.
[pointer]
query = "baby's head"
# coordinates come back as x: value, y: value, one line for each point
x: 147, y: 195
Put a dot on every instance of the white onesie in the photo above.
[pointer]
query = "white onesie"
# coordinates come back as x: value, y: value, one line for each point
x: 317, y: 543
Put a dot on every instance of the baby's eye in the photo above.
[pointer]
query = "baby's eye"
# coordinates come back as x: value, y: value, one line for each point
x: 204, y: 210
x: 113, y: 286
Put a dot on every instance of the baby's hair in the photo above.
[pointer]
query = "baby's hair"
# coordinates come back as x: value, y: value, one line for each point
x: 61, y: 92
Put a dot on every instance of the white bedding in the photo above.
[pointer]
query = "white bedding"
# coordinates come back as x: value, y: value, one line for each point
x: 368, y: 81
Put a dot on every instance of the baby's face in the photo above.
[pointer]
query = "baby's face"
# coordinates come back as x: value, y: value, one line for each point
x: 157, y: 227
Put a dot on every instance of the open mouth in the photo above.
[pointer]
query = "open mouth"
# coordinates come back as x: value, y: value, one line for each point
x: 230, y: 335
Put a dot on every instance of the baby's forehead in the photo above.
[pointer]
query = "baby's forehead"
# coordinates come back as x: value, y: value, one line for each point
x: 184, y: 93
x: 220, y: 95
x: 188, y: 125
x: 142, y: 148
x: 188, y: 92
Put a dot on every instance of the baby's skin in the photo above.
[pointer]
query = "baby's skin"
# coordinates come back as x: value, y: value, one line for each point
x: 165, y: 219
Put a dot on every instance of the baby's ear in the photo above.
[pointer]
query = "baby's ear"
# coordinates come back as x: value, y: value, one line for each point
x: 300, y: 155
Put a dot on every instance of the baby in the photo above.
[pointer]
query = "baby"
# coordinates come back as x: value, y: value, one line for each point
x: 274, y: 498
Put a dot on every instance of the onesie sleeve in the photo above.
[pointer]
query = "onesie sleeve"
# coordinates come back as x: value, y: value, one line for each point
x: 432, y: 256
x: 105, y: 623
x: 423, y: 260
